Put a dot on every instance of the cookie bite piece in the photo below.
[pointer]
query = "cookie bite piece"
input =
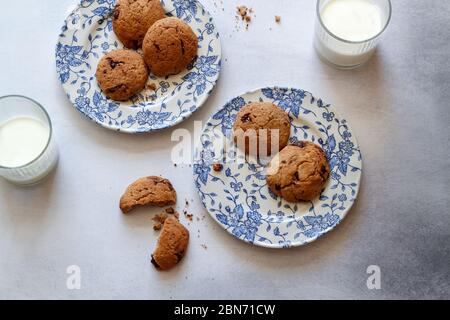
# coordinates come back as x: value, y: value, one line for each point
x: 133, y: 18
x: 148, y: 191
x: 256, y: 126
x: 169, y: 46
x: 121, y: 74
x: 298, y: 172
x: 172, y: 244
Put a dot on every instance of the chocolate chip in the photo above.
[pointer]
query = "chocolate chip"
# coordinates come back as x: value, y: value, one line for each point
x: 113, y: 64
x: 114, y: 89
x: 170, y: 210
x: 183, y: 50
x: 323, y: 173
x: 116, y: 13
x: 179, y: 255
x: 246, y: 118
x: 296, y: 177
x: 277, y: 187
x: 300, y: 144
x: 155, y: 263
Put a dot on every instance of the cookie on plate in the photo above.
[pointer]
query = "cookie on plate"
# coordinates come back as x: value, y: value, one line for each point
x: 299, y: 172
x: 121, y: 74
x: 256, y: 125
x: 172, y: 244
x: 169, y: 46
x: 152, y: 191
x: 132, y: 19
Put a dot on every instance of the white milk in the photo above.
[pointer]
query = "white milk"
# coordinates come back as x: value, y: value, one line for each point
x: 22, y: 140
x: 350, y: 20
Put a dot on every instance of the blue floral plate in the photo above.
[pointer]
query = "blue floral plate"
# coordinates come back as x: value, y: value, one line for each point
x: 238, y: 198
x: 87, y: 35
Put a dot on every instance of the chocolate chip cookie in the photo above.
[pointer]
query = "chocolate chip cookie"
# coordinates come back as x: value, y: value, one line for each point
x: 121, y: 74
x: 169, y: 46
x: 153, y: 191
x: 133, y: 18
x: 299, y: 172
x: 172, y: 244
x: 257, y: 124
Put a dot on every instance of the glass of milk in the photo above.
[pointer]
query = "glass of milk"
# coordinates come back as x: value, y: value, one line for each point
x: 28, y: 152
x: 347, y: 31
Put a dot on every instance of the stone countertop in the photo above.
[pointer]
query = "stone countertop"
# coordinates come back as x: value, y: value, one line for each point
x: 397, y: 105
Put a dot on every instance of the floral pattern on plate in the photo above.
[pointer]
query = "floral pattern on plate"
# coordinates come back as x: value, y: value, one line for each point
x: 238, y: 197
x: 87, y: 35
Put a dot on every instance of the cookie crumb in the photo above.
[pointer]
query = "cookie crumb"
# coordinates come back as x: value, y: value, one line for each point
x: 189, y: 216
x: 204, y: 246
x: 152, y: 86
x: 242, y: 11
x: 217, y: 167
x: 244, y: 14
x: 170, y: 210
x: 277, y: 19
x: 160, y: 218
x: 157, y: 226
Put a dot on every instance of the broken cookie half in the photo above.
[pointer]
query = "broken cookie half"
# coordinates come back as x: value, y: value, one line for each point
x: 152, y: 191
x: 172, y: 244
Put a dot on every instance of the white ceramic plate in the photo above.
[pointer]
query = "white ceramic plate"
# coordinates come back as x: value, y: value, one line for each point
x: 238, y: 197
x: 87, y: 35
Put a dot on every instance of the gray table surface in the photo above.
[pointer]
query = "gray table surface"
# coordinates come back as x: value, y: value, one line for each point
x: 397, y: 104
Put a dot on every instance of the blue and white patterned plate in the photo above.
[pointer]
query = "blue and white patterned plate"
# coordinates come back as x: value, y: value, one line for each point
x: 87, y: 35
x: 238, y: 197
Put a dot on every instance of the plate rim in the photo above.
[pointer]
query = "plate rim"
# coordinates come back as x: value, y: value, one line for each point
x: 276, y: 245
x: 201, y: 101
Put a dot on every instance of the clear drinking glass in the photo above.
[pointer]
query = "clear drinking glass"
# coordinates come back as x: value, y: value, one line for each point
x: 342, y: 53
x: 32, y: 172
